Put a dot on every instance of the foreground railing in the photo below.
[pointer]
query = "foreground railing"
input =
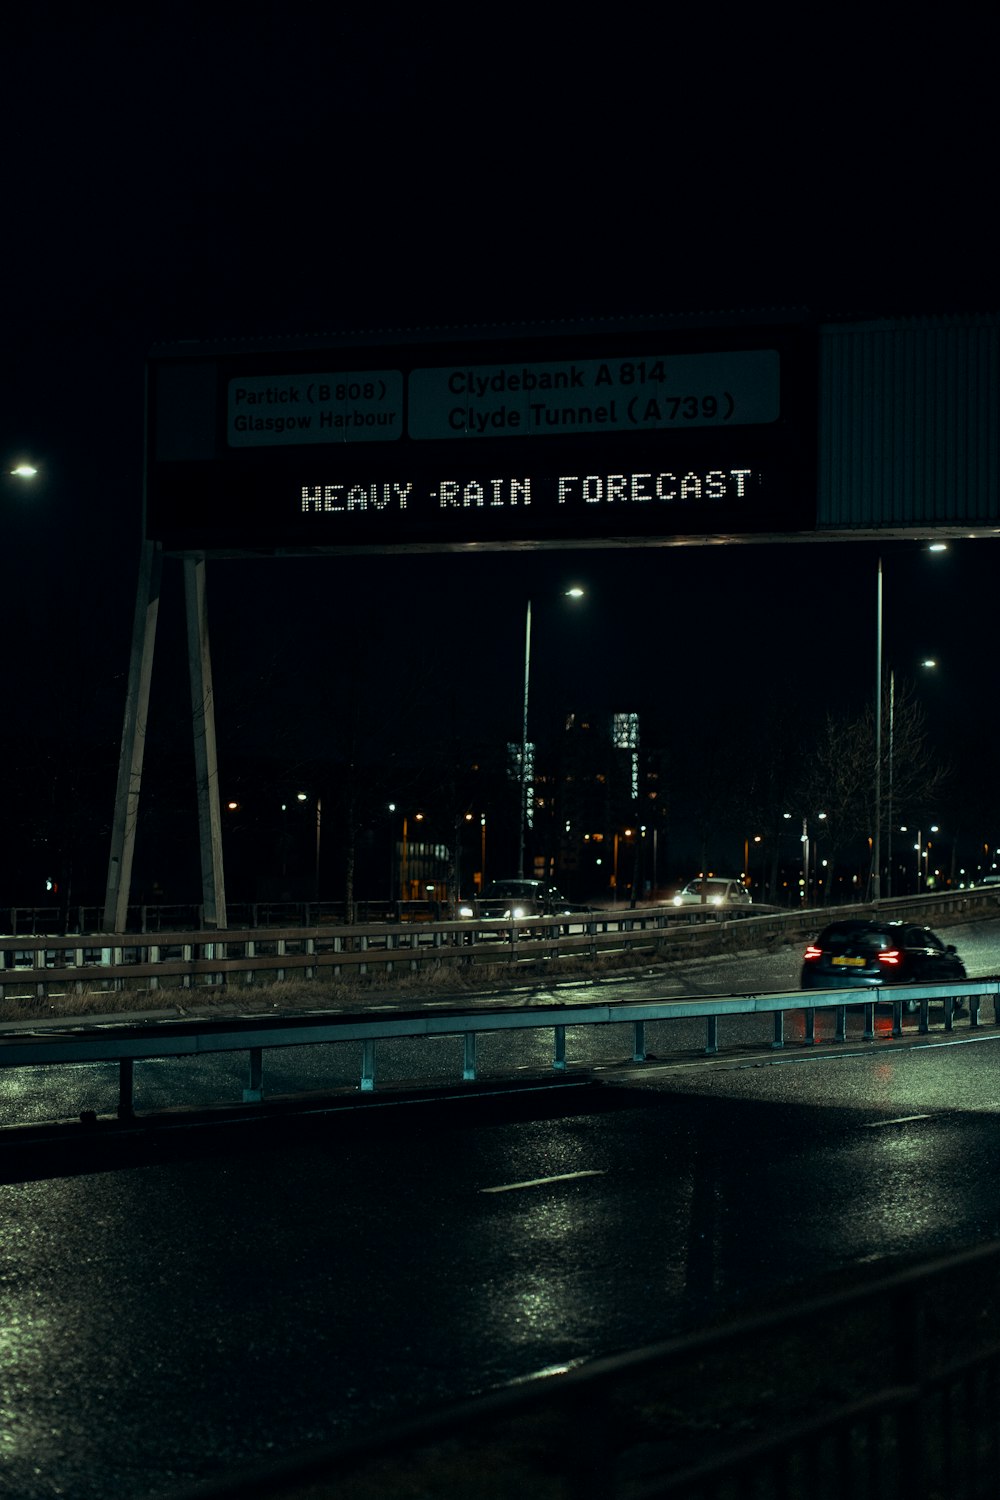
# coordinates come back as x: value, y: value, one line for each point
x: 128, y: 1043
x: 884, y: 1391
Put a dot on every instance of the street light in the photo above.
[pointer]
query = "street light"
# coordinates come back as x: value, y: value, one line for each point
x: 877, y: 834
x: 575, y: 592
x: 304, y: 797
x: 935, y: 828
x: 805, y: 853
x: 928, y: 663
x: 757, y: 839
x: 877, y: 839
x: 404, y: 863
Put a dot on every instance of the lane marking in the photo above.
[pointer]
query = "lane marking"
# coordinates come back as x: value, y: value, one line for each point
x: 513, y: 1187
x: 900, y: 1120
x: 549, y: 1370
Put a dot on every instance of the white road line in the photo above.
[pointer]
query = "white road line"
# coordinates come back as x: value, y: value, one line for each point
x: 900, y: 1120
x: 512, y: 1187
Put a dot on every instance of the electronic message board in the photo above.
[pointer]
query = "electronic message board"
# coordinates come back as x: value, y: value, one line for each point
x: 612, y: 436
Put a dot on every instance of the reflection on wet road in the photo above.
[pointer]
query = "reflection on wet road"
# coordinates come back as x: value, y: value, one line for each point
x: 242, y: 1298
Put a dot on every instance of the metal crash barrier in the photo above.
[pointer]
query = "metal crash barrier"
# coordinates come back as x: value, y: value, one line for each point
x: 128, y: 1043
x: 42, y: 965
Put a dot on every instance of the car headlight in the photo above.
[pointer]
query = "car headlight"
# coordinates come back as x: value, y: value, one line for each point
x: 466, y: 911
x: 678, y: 901
x: 715, y: 900
x: 519, y: 911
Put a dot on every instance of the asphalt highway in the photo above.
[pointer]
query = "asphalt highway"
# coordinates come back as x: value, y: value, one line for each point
x: 240, y: 1297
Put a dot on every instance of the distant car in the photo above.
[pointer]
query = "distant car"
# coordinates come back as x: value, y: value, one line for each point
x: 856, y: 952
x: 506, y: 899
x: 713, y: 891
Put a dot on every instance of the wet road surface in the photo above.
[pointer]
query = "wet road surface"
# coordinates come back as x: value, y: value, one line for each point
x: 241, y: 1299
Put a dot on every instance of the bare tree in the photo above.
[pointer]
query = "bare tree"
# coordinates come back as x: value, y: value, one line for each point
x: 842, y: 778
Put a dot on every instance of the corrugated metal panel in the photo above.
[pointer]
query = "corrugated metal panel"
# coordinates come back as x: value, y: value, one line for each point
x: 909, y: 424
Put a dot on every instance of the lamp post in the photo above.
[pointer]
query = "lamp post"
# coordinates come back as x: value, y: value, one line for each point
x: 524, y: 743
x: 304, y: 797
x: 526, y: 780
x: 391, y: 808
x: 804, y: 837
x: 757, y: 838
x: 877, y: 832
x: 923, y: 856
x: 928, y: 664
x: 877, y: 838
x: 404, y: 864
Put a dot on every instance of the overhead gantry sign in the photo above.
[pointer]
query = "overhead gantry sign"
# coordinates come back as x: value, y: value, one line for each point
x: 623, y: 436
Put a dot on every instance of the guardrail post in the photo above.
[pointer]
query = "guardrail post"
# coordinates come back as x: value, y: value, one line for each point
x: 712, y: 1035
x: 809, y: 1039
x: 469, y: 1060
x: 208, y: 951
x: 779, y: 1029
x: 897, y: 1018
x: 254, y: 1091
x: 869, y: 1014
x: 368, y: 1066
x: 840, y: 1032
x: 974, y: 1003
x: 126, y: 1079
x: 559, y: 1049
x: 639, y: 1042
x: 924, y: 1023
x: 949, y: 1012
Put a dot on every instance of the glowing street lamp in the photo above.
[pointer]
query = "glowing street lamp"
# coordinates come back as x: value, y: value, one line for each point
x: 929, y: 663
x: 304, y: 797
x: 575, y: 592
x: 876, y: 873
x: 805, y: 853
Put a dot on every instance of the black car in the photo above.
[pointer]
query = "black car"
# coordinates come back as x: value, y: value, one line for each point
x: 867, y: 953
x: 504, y: 899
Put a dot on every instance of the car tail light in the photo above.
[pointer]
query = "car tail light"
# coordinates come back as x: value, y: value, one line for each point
x: 812, y: 952
x: 890, y: 956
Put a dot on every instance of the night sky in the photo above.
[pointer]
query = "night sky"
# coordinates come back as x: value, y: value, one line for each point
x: 294, y: 170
